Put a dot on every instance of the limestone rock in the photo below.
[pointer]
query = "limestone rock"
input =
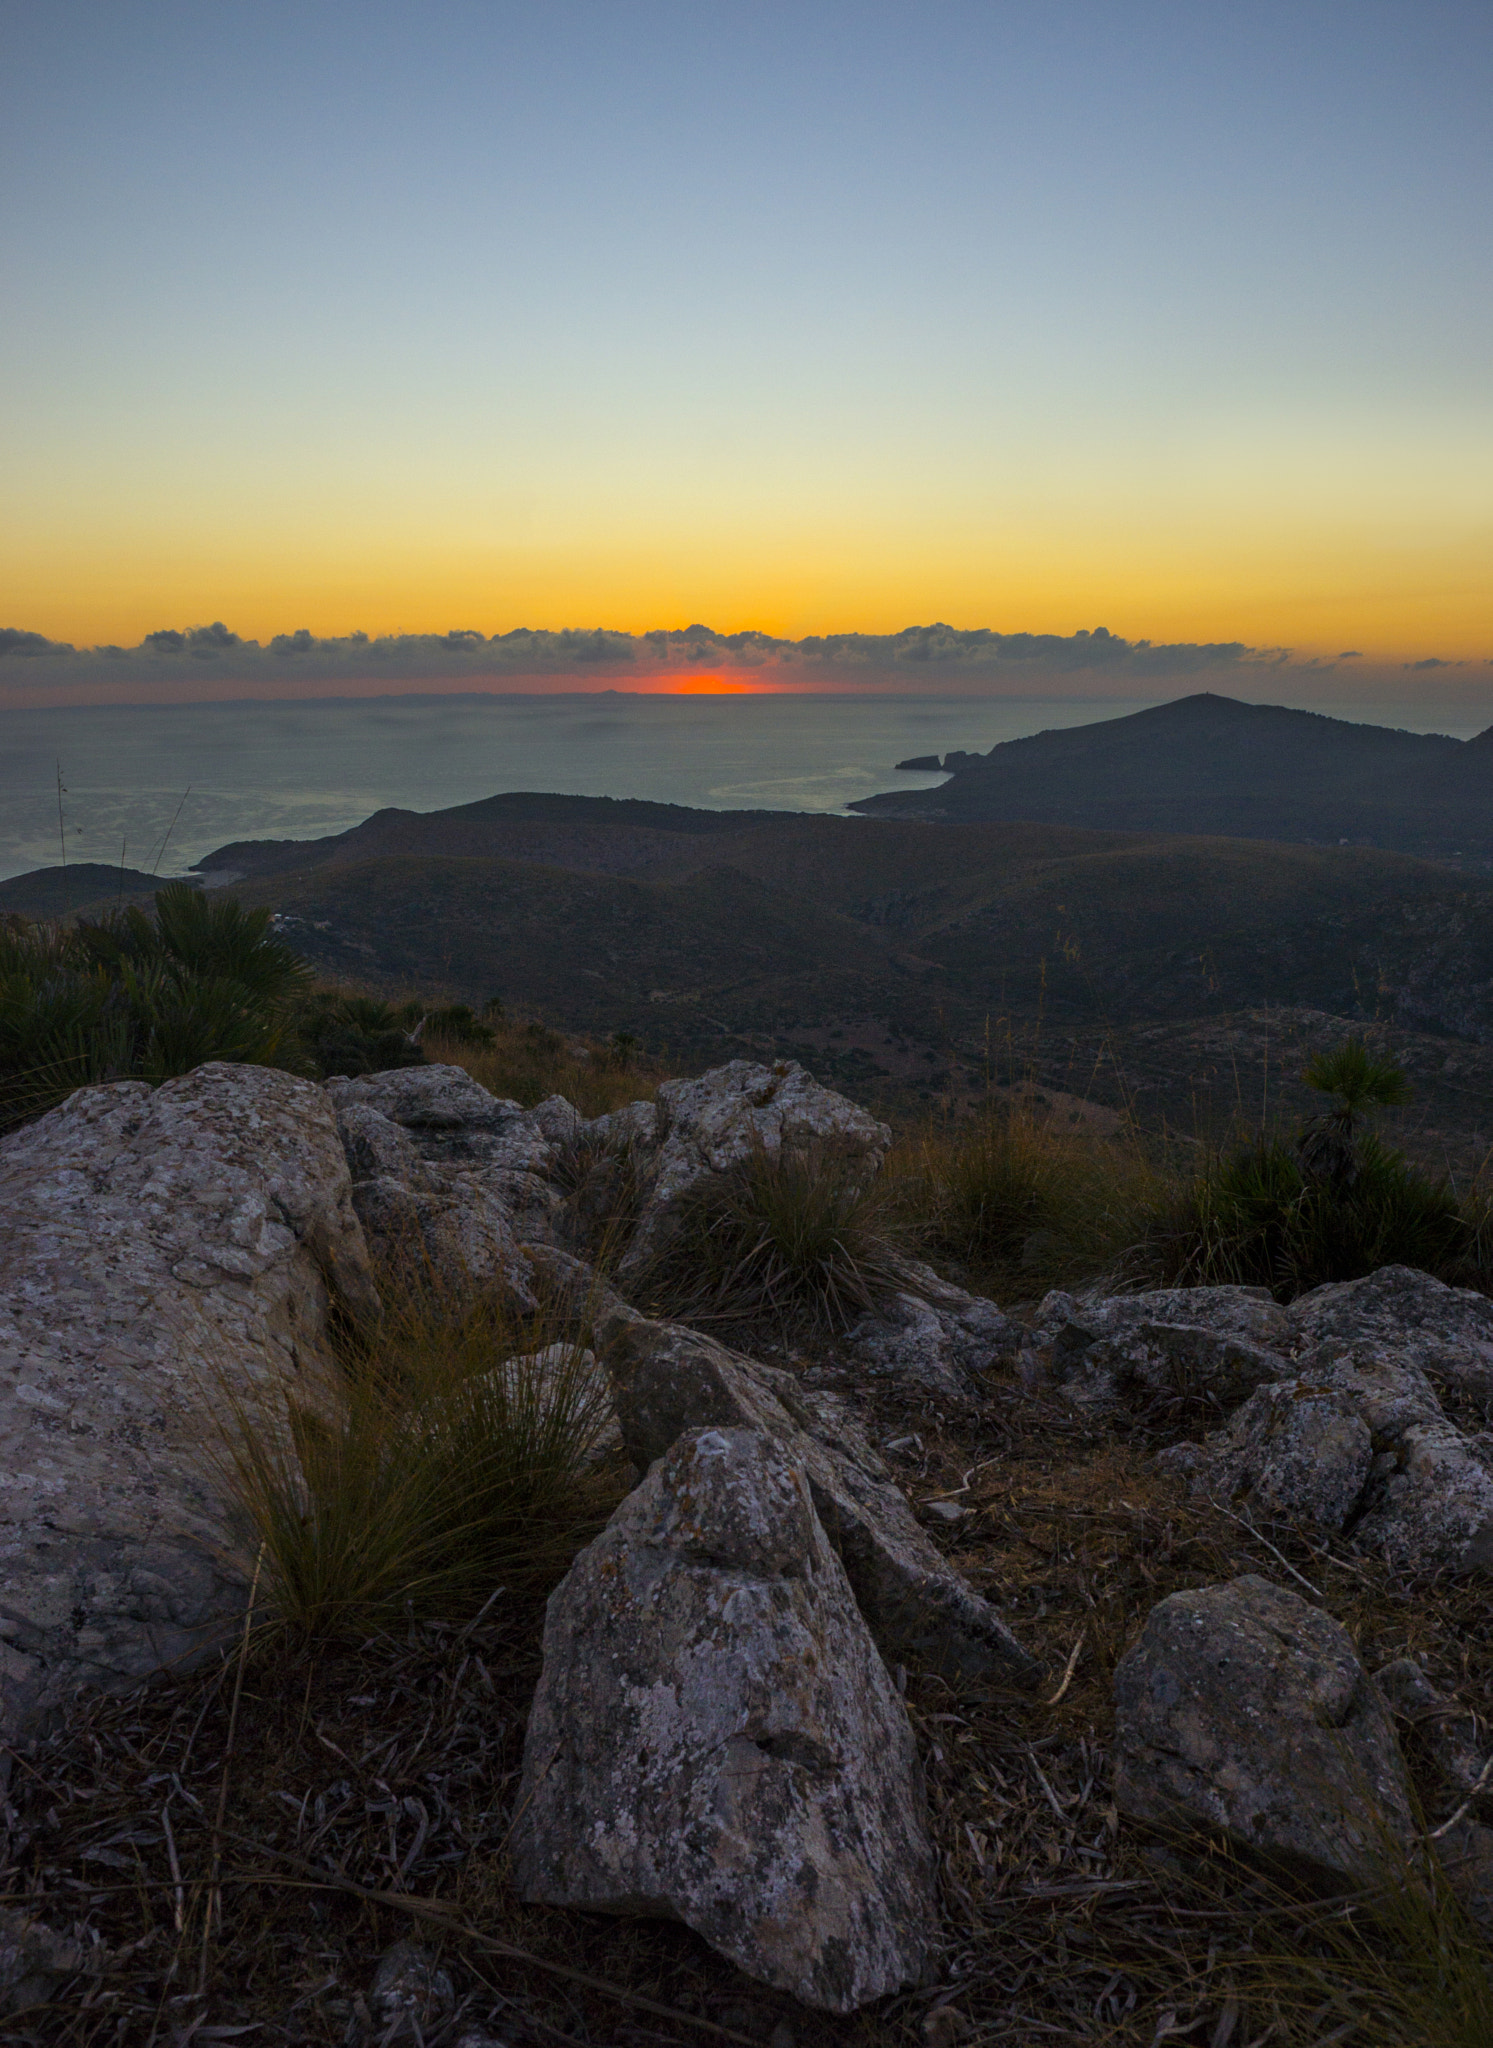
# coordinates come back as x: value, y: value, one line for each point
x: 410, y: 1994
x: 445, y: 1179
x: 933, y: 1339
x: 444, y: 1232
x: 1293, y: 1453
x: 1213, y: 1344
x: 1423, y: 1494
x: 704, y: 1127
x: 1243, y: 1708
x: 36, y: 1964
x: 668, y: 1379
x: 168, y: 1253
x: 715, y: 1738
x: 450, y: 1118
x: 1444, y: 1332
x: 1447, y: 1729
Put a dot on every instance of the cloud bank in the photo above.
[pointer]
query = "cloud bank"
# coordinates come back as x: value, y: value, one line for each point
x: 204, y: 659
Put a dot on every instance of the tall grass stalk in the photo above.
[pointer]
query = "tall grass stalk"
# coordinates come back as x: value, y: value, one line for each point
x: 464, y: 1453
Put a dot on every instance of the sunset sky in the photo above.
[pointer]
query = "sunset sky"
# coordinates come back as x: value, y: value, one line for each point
x: 1168, y: 315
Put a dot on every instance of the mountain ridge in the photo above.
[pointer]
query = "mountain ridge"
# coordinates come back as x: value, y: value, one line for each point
x: 1215, y: 765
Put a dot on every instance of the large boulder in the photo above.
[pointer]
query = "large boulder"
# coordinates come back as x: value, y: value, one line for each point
x: 1243, y: 1710
x: 668, y: 1378
x: 702, y: 1128
x: 715, y: 1739
x: 170, y: 1256
x: 1210, y: 1345
x: 1357, y: 1442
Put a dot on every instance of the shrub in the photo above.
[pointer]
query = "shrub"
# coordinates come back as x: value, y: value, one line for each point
x: 463, y: 1460
x: 349, y: 1034
x: 796, y: 1240
x: 134, y: 995
x: 1255, y: 1215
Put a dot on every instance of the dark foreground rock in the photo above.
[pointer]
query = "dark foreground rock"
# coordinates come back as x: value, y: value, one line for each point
x: 715, y: 1738
x: 1244, y: 1710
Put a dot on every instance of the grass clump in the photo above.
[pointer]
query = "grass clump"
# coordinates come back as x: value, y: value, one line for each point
x: 798, y: 1241
x: 148, y: 996
x: 1018, y: 1204
x: 464, y: 1452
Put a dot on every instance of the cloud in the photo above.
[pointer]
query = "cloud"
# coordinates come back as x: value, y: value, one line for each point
x: 14, y: 641
x: 937, y: 657
x: 1431, y: 661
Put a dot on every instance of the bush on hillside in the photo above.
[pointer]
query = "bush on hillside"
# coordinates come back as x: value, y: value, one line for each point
x: 1332, y: 1201
x: 1254, y: 1216
x: 134, y: 995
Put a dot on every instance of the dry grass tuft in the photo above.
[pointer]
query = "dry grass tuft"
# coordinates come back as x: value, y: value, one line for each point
x: 1020, y: 1203
x: 466, y: 1453
x: 796, y: 1243
x: 527, y: 1062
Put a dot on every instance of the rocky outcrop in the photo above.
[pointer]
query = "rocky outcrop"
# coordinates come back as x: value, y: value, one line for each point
x: 1444, y: 1332
x: 449, y: 1180
x: 1214, y: 1345
x: 171, y: 1255
x: 1242, y: 1709
x: 1357, y: 1442
x: 937, y: 1341
x: 715, y: 1738
x: 668, y: 1378
x: 702, y: 1128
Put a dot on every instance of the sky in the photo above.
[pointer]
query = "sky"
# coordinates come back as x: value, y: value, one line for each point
x: 809, y: 319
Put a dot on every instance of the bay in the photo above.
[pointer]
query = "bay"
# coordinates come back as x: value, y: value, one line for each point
x: 161, y: 785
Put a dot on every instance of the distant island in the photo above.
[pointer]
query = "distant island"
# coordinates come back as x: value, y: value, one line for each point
x: 1214, y: 765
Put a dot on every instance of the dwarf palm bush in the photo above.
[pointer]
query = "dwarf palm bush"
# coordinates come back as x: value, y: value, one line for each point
x: 1254, y: 1215
x: 132, y: 995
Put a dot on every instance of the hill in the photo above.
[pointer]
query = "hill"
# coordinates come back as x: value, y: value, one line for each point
x: 1210, y: 764
x: 85, y: 885
x: 908, y: 961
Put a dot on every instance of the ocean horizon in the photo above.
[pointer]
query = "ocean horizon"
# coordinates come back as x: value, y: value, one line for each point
x: 159, y: 786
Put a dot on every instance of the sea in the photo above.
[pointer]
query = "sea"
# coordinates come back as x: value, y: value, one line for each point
x: 158, y: 786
